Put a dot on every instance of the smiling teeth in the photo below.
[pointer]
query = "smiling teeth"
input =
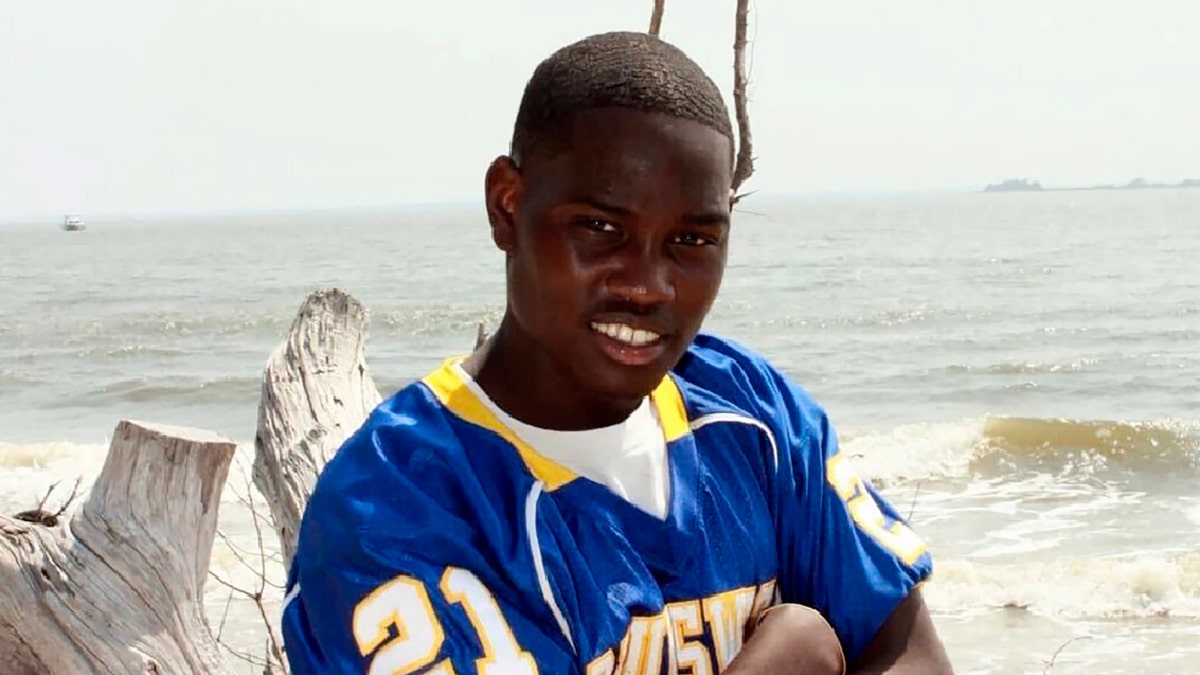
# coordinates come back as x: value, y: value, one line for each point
x: 625, y: 333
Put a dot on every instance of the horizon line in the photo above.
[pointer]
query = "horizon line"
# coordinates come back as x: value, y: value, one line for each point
x: 449, y: 204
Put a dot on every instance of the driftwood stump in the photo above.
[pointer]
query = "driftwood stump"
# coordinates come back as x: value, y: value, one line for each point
x: 118, y: 588
x: 316, y: 392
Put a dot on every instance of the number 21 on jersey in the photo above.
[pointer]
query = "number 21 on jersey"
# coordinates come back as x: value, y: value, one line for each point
x: 396, y: 623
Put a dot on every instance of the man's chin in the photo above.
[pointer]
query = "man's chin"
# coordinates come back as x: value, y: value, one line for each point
x: 625, y: 383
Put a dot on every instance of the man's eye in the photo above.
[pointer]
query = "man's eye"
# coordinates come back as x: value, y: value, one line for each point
x: 598, y: 225
x: 694, y: 239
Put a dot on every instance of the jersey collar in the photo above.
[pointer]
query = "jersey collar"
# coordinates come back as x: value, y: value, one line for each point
x: 453, y: 392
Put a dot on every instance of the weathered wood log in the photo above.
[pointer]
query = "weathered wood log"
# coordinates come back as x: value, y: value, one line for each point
x: 119, y: 587
x: 316, y: 392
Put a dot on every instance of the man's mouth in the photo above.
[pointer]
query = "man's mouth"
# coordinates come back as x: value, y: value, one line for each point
x: 626, y: 334
x: 629, y: 345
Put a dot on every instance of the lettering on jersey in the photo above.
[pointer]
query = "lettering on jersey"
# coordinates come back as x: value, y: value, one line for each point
x: 604, y: 664
x: 396, y: 628
x: 728, y: 614
x: 687, y: 633
x: 642, y: 648
x: 897, y: 537
x: 694, y: 637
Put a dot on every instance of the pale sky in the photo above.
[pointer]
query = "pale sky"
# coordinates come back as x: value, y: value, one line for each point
x: 129, y: 106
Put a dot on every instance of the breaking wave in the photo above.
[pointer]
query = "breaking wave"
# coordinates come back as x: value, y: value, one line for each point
x: 1157, y: 585
x: 27, y: 471
x: 994, y: 445
x: 1038, y: 443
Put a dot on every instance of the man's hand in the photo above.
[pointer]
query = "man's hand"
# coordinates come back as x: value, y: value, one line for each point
x: 796, y: 639
x: 790, y: 638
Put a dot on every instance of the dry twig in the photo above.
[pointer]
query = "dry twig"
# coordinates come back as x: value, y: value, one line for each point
x: 480, y: 336
x: 745, y: 155
x: 744, y: 166
x: 273, y: 661
x: 41, y: 516
x: 912, y: 508
x: 656, y: 17
x: 1054, y: 657
x: 224, y: 617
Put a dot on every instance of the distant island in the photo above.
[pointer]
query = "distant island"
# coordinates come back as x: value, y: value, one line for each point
x: 1027, y: 185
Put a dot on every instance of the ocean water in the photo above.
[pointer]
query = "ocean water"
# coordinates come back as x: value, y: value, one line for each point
x: 1020, y: 372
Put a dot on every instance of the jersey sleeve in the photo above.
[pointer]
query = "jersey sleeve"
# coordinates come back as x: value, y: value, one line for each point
x: 843, y: 549
x: 386, y: 579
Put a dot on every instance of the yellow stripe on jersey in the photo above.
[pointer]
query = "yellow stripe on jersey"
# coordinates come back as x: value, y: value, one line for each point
x: 460, y: 400
x: 671, y: 414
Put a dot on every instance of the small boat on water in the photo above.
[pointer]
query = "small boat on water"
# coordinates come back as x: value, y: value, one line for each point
x: 72, y: 223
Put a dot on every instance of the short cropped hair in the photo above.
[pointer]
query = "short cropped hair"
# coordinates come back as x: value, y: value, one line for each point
x: 614, y: 70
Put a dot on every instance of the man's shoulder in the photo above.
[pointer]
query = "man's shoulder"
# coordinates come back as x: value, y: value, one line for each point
x: 404, y: 446
x: 406, y: 483
x: 408, y: 427
x: 735, y: 373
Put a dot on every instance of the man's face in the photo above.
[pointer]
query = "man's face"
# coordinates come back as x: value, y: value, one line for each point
x: 616, y: 243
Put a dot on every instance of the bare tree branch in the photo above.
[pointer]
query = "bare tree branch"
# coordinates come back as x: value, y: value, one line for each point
x: 49, y: 491
x: 224, y: 617
x: 234, y: 588
x: 913, y: 506
x: 480, y: 336
x: 1054, y: 658
x: 243, y: 557
x: 70, y: 498
x: 745, y: 155
x: 43, y: 517
x: 274, y: 650
x: 273, y: 663
x: 656, y: 17
x: 256, y: 661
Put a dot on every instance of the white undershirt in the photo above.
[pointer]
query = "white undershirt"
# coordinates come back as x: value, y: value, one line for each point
x: 629, y: 458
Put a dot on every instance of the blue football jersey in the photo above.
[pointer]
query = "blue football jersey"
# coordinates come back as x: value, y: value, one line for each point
x: 437, y: 541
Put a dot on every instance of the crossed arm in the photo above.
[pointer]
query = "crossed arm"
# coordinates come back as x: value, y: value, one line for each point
x: 796, y: 639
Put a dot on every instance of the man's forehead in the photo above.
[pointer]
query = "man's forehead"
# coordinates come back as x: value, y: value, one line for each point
x: 639, y: 142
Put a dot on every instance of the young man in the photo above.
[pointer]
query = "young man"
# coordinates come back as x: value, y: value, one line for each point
x: 602, y: 489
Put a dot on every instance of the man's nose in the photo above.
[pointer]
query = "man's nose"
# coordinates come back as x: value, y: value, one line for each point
x: 642, y: 277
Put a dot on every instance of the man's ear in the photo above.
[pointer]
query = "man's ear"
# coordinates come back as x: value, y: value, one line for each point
x: 502, y: 190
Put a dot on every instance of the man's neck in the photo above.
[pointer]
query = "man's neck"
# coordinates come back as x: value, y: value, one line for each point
x: 532, y: 387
